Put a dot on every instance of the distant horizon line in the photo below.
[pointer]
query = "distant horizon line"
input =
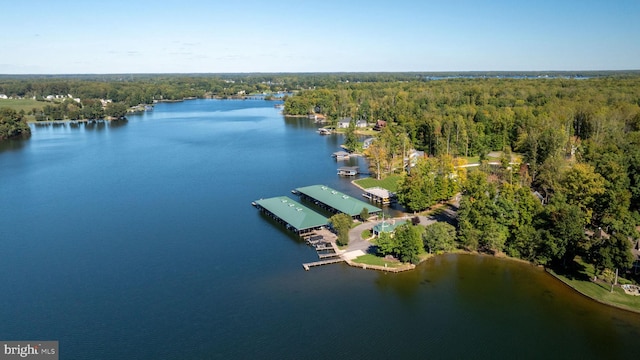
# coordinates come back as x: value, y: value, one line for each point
x: 328, y: 72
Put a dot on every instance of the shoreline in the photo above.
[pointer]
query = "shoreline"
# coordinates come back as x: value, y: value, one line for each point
x: 49, y: 122
x: 503, y: 257
x: 602, y: 302
x: 507, y: 258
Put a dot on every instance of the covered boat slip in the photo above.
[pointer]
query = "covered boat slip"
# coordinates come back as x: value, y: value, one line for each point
x: 335, y: 201
x: 293, y: 215
x: 379, y: 195
x: 348, y: 170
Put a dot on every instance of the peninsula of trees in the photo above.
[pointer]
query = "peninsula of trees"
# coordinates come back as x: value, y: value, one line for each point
x: 566, y: 184
x: 12, y: 125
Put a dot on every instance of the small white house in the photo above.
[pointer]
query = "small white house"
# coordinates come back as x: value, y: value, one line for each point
x: 361, y: 123
x: 412, y: 157
x: 344, y: 123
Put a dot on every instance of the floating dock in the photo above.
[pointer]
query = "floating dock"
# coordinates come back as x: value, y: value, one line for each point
x: 328, y: 255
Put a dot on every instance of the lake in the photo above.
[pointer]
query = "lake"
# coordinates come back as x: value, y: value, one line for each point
x: 137, y: 240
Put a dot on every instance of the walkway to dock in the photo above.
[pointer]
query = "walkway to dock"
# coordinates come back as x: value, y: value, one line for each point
x: 334, y: 260
x: 324, y: 243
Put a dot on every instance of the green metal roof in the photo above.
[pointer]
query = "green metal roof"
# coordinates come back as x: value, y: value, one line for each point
x: 337, y: 200
x: 387, y: 226
x: 293, y: 213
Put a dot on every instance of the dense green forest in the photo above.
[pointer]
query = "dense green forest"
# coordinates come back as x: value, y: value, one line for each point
x: 12, y: 125
x: 578, y: 141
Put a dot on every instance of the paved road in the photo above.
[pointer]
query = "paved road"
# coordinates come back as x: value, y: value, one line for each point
x: 356, y: 242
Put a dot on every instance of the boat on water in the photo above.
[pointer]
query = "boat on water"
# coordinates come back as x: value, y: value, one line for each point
x: 323, y: 131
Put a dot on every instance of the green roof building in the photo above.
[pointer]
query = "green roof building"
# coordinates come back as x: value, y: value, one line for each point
x: 292, y: 214
x: 387, y: 226
x: 335, y: 201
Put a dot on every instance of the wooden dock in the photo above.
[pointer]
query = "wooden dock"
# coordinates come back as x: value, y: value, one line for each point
x: 333, y: 260
x: 328, y: 255
x: 315, y: 241
x: 326, y: 258
x: 323, y: 246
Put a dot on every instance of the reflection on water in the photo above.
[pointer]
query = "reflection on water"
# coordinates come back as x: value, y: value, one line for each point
x: 12, y: 144
x: 81, y: 124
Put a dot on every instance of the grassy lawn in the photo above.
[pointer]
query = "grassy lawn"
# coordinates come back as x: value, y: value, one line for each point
x: 390, y: 183
x: 370, y: 259
x: 359, y: 131
x: 472, y: 159
x: 23, y: 104
x: 579, y: 280
x: 476, y: 159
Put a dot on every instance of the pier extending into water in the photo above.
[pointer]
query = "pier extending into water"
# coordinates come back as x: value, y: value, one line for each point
x: 327, y: 251
x: 334, y: 260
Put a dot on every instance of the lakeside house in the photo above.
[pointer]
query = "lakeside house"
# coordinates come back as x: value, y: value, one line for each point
x: 380, y: 124
x: 412, y: 158
x: 344, y: 123
x: 367, y: 142
x: 105, y: 102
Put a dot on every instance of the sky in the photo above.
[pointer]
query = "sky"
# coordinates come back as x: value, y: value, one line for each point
x: 199, y: 36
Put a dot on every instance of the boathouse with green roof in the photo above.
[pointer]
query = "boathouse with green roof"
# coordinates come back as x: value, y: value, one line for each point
x: 334, y: 201
x: 293, y: 215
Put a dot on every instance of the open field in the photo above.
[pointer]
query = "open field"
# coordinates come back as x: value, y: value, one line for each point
x: 390, y: 183
x: 23, y: 104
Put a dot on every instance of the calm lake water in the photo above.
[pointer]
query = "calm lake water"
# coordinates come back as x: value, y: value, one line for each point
x: 137, y: 240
